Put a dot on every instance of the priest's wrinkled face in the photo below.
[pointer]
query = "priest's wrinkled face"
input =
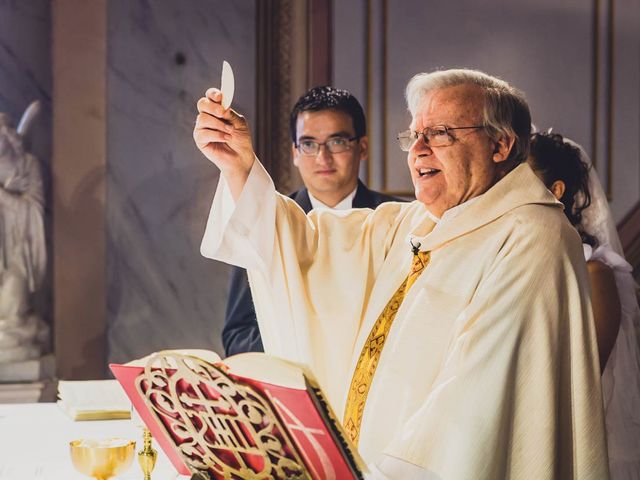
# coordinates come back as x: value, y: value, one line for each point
x: 328, y: 154
x: 453, y: 158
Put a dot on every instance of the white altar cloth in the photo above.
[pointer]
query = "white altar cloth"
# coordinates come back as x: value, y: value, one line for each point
x: 34, y: 444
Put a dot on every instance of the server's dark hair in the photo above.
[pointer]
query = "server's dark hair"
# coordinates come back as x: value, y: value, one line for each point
x: 329, y: 98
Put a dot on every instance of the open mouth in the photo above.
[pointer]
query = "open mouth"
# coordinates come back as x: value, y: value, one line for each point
x: 428, y: 172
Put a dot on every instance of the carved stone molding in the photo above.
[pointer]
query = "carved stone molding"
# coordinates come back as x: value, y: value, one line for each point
x: 274, y: 82
x: 293, y: 54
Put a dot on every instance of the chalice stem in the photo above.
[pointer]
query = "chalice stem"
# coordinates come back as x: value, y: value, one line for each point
x: 147, y: 456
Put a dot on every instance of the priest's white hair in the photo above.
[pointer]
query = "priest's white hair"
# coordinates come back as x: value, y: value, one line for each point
x: 506, y: 112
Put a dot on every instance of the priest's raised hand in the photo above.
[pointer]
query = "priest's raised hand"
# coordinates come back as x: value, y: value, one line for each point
x: 223, y: 136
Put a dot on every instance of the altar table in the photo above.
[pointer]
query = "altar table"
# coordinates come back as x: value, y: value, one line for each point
x: 34, y: 444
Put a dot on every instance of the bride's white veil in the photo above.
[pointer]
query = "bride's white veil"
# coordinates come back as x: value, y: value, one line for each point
x: 597, y: 219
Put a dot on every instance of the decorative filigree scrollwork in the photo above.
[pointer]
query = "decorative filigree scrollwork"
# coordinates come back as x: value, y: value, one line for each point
x: 220, y: 426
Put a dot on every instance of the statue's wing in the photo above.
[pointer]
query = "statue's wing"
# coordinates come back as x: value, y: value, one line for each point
x: 35, y: 247
x: 28, y: 116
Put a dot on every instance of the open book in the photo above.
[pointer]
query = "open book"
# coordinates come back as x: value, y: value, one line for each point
x: 93, y: 400
x: 251, y: 416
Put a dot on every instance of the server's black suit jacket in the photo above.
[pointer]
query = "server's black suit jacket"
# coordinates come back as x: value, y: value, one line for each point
x: 240, y: 332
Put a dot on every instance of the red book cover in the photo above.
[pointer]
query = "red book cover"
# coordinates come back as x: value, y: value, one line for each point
x: 206, y: 418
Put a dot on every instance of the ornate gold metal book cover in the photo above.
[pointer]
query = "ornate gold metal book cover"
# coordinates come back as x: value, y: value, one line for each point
x: 209, y: 420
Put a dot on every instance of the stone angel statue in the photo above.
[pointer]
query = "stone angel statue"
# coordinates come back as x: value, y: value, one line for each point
x: 23, y: 334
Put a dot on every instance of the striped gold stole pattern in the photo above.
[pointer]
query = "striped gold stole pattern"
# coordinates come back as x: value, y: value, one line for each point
x: 370, y: 355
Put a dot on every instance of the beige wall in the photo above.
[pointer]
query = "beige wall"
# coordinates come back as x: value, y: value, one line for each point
x: 576, y: 61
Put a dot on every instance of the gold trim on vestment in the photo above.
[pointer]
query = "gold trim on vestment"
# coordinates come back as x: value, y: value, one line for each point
x: 370, y: 355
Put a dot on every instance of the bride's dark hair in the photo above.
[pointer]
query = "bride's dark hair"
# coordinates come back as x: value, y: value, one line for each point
x: 554, y: 159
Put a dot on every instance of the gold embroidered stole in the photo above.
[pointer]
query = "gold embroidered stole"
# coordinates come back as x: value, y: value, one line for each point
x: 370, y: 355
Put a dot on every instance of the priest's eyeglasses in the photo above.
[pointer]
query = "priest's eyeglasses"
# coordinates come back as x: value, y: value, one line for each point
x: 333, y: 145
x: 436, y: 136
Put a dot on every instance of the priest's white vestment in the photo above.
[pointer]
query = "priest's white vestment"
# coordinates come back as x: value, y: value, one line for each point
x: 490, y: 370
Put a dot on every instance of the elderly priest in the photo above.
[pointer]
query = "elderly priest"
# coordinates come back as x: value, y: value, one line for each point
x: 453, y: 334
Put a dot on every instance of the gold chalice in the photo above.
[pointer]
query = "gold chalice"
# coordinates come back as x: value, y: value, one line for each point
x: 102, y: 459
